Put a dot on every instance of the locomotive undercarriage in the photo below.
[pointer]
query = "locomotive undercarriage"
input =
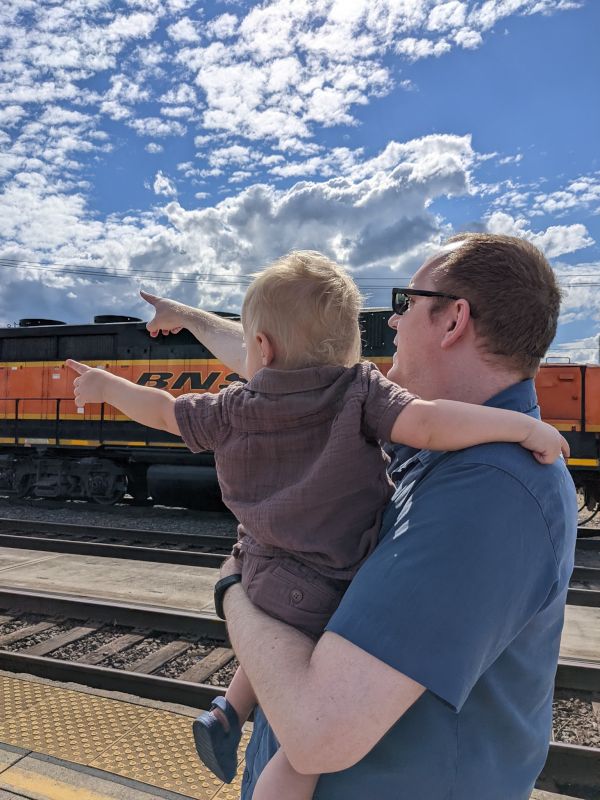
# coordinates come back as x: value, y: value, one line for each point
x: 98, y: 479
x: 588, y: 493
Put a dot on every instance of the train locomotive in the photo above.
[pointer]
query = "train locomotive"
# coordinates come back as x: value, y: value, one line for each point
x: 569, y: 398
x: 50, y: 448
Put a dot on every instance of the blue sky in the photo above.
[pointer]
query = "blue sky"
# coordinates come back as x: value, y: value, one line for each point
x: 180, y: 146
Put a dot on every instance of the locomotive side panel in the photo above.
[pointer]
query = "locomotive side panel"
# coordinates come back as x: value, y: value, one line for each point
x: 592, y: 398
x: 560, y: 392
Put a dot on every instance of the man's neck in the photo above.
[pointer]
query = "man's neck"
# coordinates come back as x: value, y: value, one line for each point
x: 478, y: 385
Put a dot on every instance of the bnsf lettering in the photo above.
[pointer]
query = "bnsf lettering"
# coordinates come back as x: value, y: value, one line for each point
x: 159, y: 380
x: 194, y: 381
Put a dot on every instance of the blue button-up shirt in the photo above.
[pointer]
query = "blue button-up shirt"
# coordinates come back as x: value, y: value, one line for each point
x: 465, y: 594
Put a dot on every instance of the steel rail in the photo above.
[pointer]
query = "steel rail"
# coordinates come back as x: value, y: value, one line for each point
x: 152, y: 687
x: 584, y: 533
x: 104, y: 550
x: 197, y: 540
x: 134, y: 615
x: 589, y: 574
x: 570, y: 769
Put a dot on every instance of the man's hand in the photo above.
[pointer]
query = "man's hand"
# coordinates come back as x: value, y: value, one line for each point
x: 545, y: 442
x: 232, y: 566
x: 168, y: 316
x: 90, y: 386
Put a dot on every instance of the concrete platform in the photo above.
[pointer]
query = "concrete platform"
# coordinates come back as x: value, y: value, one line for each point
x: 164, y: 585
x: 191, y: 588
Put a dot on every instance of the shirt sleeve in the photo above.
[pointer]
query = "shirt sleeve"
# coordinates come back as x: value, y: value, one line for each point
x: 201, y: 419
x: 383, y: 402
x: 465, y: 566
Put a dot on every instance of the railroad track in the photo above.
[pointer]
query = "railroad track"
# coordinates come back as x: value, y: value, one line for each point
x: 181, y: 657
x: 191, y: 549
x: 201, y: 550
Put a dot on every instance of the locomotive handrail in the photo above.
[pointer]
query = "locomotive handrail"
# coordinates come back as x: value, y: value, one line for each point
x: 565, y: 360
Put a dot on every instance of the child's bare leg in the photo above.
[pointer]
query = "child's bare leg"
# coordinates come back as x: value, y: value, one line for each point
x: 217, y: 732
x: 241, y: 696
x: 279, y: 779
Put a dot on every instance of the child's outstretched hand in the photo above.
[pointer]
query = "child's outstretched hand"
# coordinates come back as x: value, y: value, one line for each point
x: 90, y: 386
x: 167, y: 315
x: 545, y: 442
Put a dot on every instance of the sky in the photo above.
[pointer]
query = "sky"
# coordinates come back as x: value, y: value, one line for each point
x: 180, y: 146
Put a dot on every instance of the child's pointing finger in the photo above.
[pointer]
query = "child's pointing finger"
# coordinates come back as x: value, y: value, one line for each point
x: 80, y: 368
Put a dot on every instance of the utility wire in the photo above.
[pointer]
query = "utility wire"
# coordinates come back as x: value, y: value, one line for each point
x: 217, y: 280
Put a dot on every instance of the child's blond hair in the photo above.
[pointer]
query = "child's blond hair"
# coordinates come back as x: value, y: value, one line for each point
x: 309, y: 307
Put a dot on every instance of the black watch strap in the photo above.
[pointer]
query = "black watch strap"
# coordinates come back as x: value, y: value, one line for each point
x: 221, y: 587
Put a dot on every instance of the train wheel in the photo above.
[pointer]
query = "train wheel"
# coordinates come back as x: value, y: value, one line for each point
x: 586, y: 510
x: 24, y: 486
x: 589, y: 516
x: 106, y: 489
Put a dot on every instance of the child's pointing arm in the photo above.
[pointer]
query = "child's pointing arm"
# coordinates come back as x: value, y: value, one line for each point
x: 143, y: 404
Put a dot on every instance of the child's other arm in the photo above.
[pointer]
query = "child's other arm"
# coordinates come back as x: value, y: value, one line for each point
x: 223, y: 337
x: 450, y: 425
x: 143, y: 404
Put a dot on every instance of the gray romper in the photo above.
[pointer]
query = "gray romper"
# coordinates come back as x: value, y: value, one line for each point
x: 300, y: 466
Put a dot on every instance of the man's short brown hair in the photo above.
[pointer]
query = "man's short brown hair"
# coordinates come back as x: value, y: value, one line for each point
x: 513, y: 293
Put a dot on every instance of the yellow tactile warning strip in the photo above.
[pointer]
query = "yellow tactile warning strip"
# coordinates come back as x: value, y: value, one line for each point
x: 139, y: 743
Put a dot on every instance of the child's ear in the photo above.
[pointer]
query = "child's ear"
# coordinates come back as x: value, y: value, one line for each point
x: 267, y: 350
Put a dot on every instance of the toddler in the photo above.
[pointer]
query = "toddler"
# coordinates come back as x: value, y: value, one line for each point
x: 299, y: 461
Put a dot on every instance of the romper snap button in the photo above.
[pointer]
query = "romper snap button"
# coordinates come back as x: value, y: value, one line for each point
x: 296, y: 595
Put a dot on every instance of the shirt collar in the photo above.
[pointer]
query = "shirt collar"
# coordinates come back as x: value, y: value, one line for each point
x: 290, y: 381
x: 518, y: 397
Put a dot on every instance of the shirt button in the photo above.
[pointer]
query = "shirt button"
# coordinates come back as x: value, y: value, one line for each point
x: 296, y: 596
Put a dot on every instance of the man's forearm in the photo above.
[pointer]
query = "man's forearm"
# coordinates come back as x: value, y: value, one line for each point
x: 223, y: 337
x: 313, y: 695
x: 276, y: 658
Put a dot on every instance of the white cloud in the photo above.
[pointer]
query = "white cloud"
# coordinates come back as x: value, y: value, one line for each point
x: 583, y: 192
x: 184, y: 31
x: 468, y: 38
x: 177, y: 111
x: 222, y: 27
x: 10, y: 115
x: 556, y: 240
x: 154, y: 148
x: 179, y: 95
x: 164, y: 185
x: 447, y: 15
x: 415, y: 49
x: 375, y: 218
x: 154, y: 126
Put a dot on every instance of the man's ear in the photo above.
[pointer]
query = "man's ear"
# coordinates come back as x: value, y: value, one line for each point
x: 267, y: 349
x: 457, y: 323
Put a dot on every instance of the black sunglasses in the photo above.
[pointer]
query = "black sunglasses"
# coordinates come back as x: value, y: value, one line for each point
x: 400, y: 298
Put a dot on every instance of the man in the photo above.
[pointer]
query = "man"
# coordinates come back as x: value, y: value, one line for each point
x: 434, y: 677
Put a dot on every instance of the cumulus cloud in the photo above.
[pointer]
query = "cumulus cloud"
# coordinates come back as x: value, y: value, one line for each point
x: 164, y: 185
x: 272, y: 73
x: 555, y: 241
x: 376, y: 219
x: 253, y: 86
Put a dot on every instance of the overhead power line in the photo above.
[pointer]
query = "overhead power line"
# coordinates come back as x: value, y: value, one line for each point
x: 99, y: 273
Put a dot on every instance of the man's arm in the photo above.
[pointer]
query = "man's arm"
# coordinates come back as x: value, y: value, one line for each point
x: 222, y: 336
x: 311, y: 693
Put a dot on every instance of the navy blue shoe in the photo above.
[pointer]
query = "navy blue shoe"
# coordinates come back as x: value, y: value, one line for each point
x: 217, y: 747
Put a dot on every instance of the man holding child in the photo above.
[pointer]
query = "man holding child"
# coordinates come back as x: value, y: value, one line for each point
x: 434, y: 676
